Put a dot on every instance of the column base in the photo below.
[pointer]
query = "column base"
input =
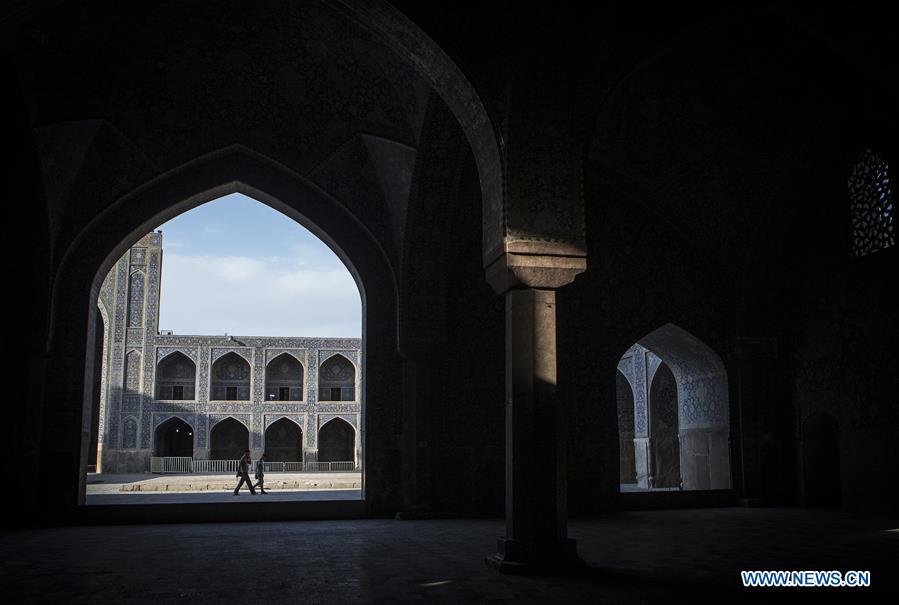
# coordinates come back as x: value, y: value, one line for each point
x: 526, y: 558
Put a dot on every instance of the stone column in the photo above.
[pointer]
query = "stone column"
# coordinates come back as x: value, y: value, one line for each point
x: 536, y: 537
x: 642, y: 439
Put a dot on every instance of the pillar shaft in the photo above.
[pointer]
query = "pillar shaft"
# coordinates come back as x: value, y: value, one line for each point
x: 536, y: 516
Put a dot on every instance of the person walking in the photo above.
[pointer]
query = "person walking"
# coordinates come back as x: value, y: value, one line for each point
x: 243, y: 473
x: 260, y: 474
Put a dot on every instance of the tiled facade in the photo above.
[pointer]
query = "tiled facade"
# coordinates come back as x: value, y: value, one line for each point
x: 130, y: 411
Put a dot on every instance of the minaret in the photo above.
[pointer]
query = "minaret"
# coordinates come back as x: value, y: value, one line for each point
x: 129, y: 304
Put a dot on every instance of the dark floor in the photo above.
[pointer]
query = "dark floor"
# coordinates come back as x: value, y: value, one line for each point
x: 632, y: 557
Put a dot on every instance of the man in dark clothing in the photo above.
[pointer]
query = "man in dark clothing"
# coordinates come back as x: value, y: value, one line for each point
x: 260, y: 474
x: 243, y: 472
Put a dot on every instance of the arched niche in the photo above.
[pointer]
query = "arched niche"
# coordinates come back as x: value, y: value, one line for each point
x: 228, y: 440
x: 681, y: 412
x: 230, y: 378
x: 176, y: 376
x: 337, y: 379
x: 336, y: 441
x: 284, y: 379
x: 174, y: 438
x: 284, y: 441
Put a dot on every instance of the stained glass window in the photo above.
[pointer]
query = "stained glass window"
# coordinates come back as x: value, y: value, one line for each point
x: 871, y: 205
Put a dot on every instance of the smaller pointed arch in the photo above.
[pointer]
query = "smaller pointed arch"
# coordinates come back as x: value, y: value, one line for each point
x: 230, y: 378
x: 284, y: 441
x: 336, y: 441
x: 174, y: 437
x: 284, y: 378
x: 337, y: 379
x: 176, y: 377
x: 228, y: 439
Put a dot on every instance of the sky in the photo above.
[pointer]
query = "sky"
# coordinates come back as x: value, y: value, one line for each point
x: 237, y: 266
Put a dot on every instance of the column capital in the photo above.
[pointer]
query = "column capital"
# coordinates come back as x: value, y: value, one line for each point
x: 532, y: 266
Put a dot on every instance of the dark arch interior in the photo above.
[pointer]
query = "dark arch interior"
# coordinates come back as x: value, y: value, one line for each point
x: 284, y: 441
x: 174, y: 437
x: 336, y: 442
x: 228, y: 440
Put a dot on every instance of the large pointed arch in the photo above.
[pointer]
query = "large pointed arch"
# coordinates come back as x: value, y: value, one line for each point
x: 417, y: 49
x: 239, y: 169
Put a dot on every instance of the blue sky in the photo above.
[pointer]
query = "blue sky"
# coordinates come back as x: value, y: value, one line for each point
x: 237, y: 266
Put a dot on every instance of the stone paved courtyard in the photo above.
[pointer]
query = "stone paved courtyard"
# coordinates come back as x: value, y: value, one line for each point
x: 632, y: 557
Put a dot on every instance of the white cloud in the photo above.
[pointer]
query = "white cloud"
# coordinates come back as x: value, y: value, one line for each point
x: 269, y: 296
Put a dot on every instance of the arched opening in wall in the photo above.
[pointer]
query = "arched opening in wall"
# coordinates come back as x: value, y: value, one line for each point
x: 337, y: 380
x: 223, y: 334
x: 174, y: 438
x: 284, y: 441
x: 228, y: 440
x: 822, y: 486
x: 284, y: 379
x: 230, y: 378
x: 676, y: 432
x: 176, y: 377
x: 337, y: 442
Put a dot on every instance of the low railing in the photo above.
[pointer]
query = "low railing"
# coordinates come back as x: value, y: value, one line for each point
x: 171, y: 464
x: 180, y: 464
x: 331, y: 467
x: 215, y: 466
x: 283, y: 467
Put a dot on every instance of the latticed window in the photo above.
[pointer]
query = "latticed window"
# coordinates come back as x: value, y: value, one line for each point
x: 871, y: 205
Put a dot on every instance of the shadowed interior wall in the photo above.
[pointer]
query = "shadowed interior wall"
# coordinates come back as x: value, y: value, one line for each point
x: 822, y: 484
